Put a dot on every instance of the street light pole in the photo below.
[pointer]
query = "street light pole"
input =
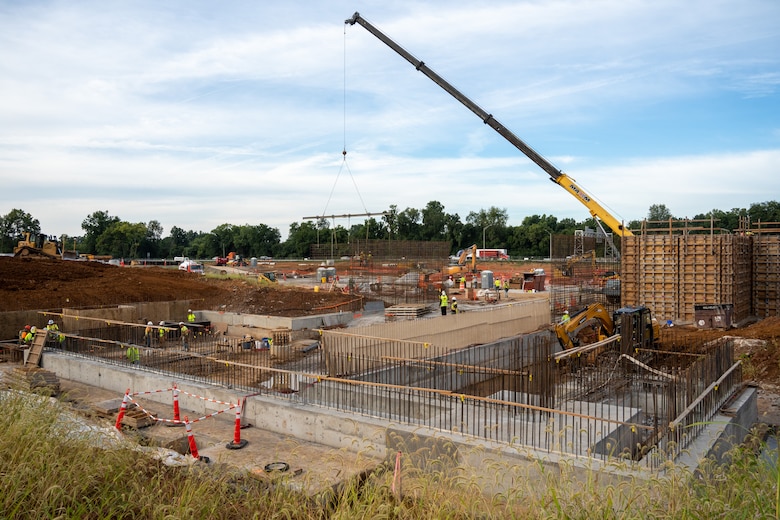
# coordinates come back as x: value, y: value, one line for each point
x: 550, y: 233
x: 483, y: 234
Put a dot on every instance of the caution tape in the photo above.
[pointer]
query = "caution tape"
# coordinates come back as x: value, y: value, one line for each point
x: 204, y: 398
x: 152, y: 391
x: 230, y: 406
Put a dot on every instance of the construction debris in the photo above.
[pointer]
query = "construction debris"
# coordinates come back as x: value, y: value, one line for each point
x: 33, y: 379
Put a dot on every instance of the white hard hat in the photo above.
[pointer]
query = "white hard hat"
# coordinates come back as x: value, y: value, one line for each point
x: 51, y: 322
x: 566, y: 311
x: 150, y: 323
x: 454, y: 298
x: 181, y: 323
x: 162, y: 323
x: 189, y: 310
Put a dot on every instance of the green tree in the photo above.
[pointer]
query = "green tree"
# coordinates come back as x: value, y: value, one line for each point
x: 222, y: 239
x: 409, y: 227
x: 14, y: 225
x: 299, y: 239
x: 434, y: 221
x: 765, y: 212
x: 94, y: 226
x: 121, y: 239
x: 659, y: 212
x: 391, y: 221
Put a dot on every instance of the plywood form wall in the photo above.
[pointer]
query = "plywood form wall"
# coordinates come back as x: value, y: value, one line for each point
x: 670, y: 273
x: 766, y: 275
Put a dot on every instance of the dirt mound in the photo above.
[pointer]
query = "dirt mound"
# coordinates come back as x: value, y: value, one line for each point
x: 38, y: 284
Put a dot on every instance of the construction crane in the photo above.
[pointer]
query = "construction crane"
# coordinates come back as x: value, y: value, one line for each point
x: 597, y: 211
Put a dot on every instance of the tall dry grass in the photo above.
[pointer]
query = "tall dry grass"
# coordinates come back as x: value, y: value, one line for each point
x: 52, y: 468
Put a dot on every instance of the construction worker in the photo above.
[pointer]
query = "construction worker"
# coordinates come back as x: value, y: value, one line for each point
x: 497, y: 285
x: 23, y: 334
x: 506, y: 288
x: 565, y: 316
x: 161, y: 333
x: 133, y: 355
x: 443, y: 303
x: 190, y: 316
x: 454, y: 305
x: 54, y: 338
x: 185, y: 336
x: 148, y: 332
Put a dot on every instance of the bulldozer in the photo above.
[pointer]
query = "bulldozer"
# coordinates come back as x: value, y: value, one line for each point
x: 41, y: 246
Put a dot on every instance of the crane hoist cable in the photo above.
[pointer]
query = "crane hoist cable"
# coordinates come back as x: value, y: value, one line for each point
x: 344, y: 147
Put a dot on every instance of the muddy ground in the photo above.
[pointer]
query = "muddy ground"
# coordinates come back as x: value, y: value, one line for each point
x: 34, y: 284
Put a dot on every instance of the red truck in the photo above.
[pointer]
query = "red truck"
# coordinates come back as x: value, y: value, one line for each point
x: 492, y: 254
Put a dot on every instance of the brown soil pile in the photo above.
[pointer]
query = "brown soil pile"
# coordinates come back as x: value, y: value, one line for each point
x: 37, y: 284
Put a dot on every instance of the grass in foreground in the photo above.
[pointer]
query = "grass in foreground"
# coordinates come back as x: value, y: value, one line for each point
x: 49, y: 469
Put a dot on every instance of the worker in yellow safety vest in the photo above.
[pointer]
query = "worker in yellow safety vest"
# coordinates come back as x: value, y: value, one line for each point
x: 190, y: 316
x: 133, y: 355
x: 454, y: 305
x: 443, y: 303
x: 148, y: 331
x: 185, y: 337
x: 161, y: 333
x: 54, y: 338
x: 25, y: 335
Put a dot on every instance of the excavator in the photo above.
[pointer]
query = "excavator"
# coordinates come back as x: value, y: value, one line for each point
x: 597, y: 211
x: 593, y: 323
x: 460, y: 266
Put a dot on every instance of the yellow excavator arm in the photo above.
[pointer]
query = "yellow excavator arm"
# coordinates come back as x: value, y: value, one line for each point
x: 593, y: 320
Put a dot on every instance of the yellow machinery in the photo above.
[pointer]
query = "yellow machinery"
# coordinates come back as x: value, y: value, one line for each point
x: 37, y: 247
x: 597, y: 211
x: 594, y: 323
x: 460, y: 267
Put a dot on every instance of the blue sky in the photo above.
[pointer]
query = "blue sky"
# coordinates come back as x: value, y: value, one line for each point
x: 202, y: 113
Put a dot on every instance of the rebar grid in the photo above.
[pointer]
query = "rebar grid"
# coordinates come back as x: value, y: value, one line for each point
x: 609, y: 404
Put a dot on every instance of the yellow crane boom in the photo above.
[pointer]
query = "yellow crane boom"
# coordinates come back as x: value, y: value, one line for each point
x: 597, y: 211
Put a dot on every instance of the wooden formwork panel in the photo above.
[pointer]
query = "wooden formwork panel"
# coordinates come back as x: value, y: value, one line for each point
x: 766, y: 275
x: 672, y: 273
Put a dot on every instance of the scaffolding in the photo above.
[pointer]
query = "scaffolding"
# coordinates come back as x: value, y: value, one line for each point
x: 395, y: 271
x: 583, y: 270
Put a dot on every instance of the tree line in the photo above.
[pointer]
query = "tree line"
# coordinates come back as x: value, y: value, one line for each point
x: 105, y: 234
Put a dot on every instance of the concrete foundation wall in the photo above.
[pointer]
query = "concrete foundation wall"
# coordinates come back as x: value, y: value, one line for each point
x: 364, y: 347
x: 303, y: 327
x: 493, y: 466
x: 12, y: 322
x: 323, y: 426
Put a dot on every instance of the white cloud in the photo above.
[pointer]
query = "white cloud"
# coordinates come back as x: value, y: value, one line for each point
x: 195, y: 114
